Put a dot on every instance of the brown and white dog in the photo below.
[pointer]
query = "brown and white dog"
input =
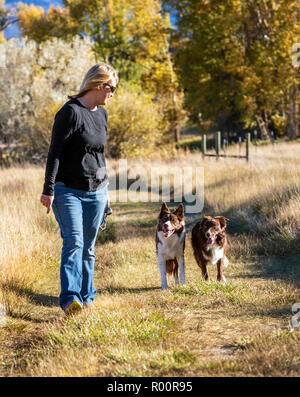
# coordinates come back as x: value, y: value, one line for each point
x: 209, y: 242
x: 170, y: 243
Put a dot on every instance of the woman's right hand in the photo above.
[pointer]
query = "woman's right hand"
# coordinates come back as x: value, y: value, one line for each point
x: 47, y: 201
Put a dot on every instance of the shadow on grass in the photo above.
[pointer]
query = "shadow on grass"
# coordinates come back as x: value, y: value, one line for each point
x: 38, y: 299
x: 286, y: 268
x: 275, y: 313
x: 122, y: 290
x: 44, y: 300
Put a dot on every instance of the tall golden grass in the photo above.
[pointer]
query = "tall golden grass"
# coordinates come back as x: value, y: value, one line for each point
x: 133, y: 323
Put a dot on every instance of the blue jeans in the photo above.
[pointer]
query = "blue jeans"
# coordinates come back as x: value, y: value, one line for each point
x: 79, y: 215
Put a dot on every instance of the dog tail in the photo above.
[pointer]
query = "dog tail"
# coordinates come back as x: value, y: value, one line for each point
x: 172, y: 267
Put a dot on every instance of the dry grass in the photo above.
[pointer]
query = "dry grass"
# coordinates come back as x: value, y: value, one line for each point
x: 134, y: 329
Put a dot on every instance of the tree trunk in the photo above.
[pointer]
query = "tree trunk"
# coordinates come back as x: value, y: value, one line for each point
x: 176, y: 126
x: 292, y: 125
x: 177, y: 133
x: 262, y: 127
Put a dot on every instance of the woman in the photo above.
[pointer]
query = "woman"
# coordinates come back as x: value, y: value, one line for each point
x: 76, y: 182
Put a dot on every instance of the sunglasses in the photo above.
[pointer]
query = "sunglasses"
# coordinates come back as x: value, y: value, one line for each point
x: 111, y: 87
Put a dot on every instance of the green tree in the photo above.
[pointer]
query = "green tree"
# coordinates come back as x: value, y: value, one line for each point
x: 234, y: 59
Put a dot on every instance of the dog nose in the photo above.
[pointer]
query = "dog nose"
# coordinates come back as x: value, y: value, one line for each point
x: 207, y: 234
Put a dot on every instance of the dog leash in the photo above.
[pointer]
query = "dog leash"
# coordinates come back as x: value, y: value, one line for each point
x: 108, y: 211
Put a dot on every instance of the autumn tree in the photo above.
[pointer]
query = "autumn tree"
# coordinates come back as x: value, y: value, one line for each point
x: 7, y: 18
x: 234, y: 59
x: 271, y: 28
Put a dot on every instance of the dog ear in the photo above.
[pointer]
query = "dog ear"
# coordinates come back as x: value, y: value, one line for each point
x: 164, y: 210
x: 222, y: 221
x: 179, y: 212
x: 164, y: 207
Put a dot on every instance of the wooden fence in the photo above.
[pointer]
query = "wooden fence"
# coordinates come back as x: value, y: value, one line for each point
x: 218, y: 147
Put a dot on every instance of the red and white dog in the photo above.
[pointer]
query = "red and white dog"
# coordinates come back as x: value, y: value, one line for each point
x: 209, y: 242
x: 170, y: 243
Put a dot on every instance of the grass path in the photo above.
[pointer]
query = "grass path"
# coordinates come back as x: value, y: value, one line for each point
x: 135, y: 329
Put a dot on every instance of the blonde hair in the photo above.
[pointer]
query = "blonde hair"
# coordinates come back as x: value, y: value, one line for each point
x: 98, y: 74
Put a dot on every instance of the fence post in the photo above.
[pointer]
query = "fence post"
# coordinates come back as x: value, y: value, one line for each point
x: 218, y: 143
x: 248, y: 141
x: 203, y: 144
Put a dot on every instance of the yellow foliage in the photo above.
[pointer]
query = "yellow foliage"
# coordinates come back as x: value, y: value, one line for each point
x: 28, y: 13
x: 279, y: 123
x: 31, y: 18
x: 132, y: 33
x: 134, y: 123
x: 37, y: 25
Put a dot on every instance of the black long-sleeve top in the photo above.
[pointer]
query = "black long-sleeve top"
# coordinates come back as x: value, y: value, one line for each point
x: 76, y: 154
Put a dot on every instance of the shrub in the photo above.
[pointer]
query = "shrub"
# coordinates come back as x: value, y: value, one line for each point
x: 34, y: 84
x: 134, y: 123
